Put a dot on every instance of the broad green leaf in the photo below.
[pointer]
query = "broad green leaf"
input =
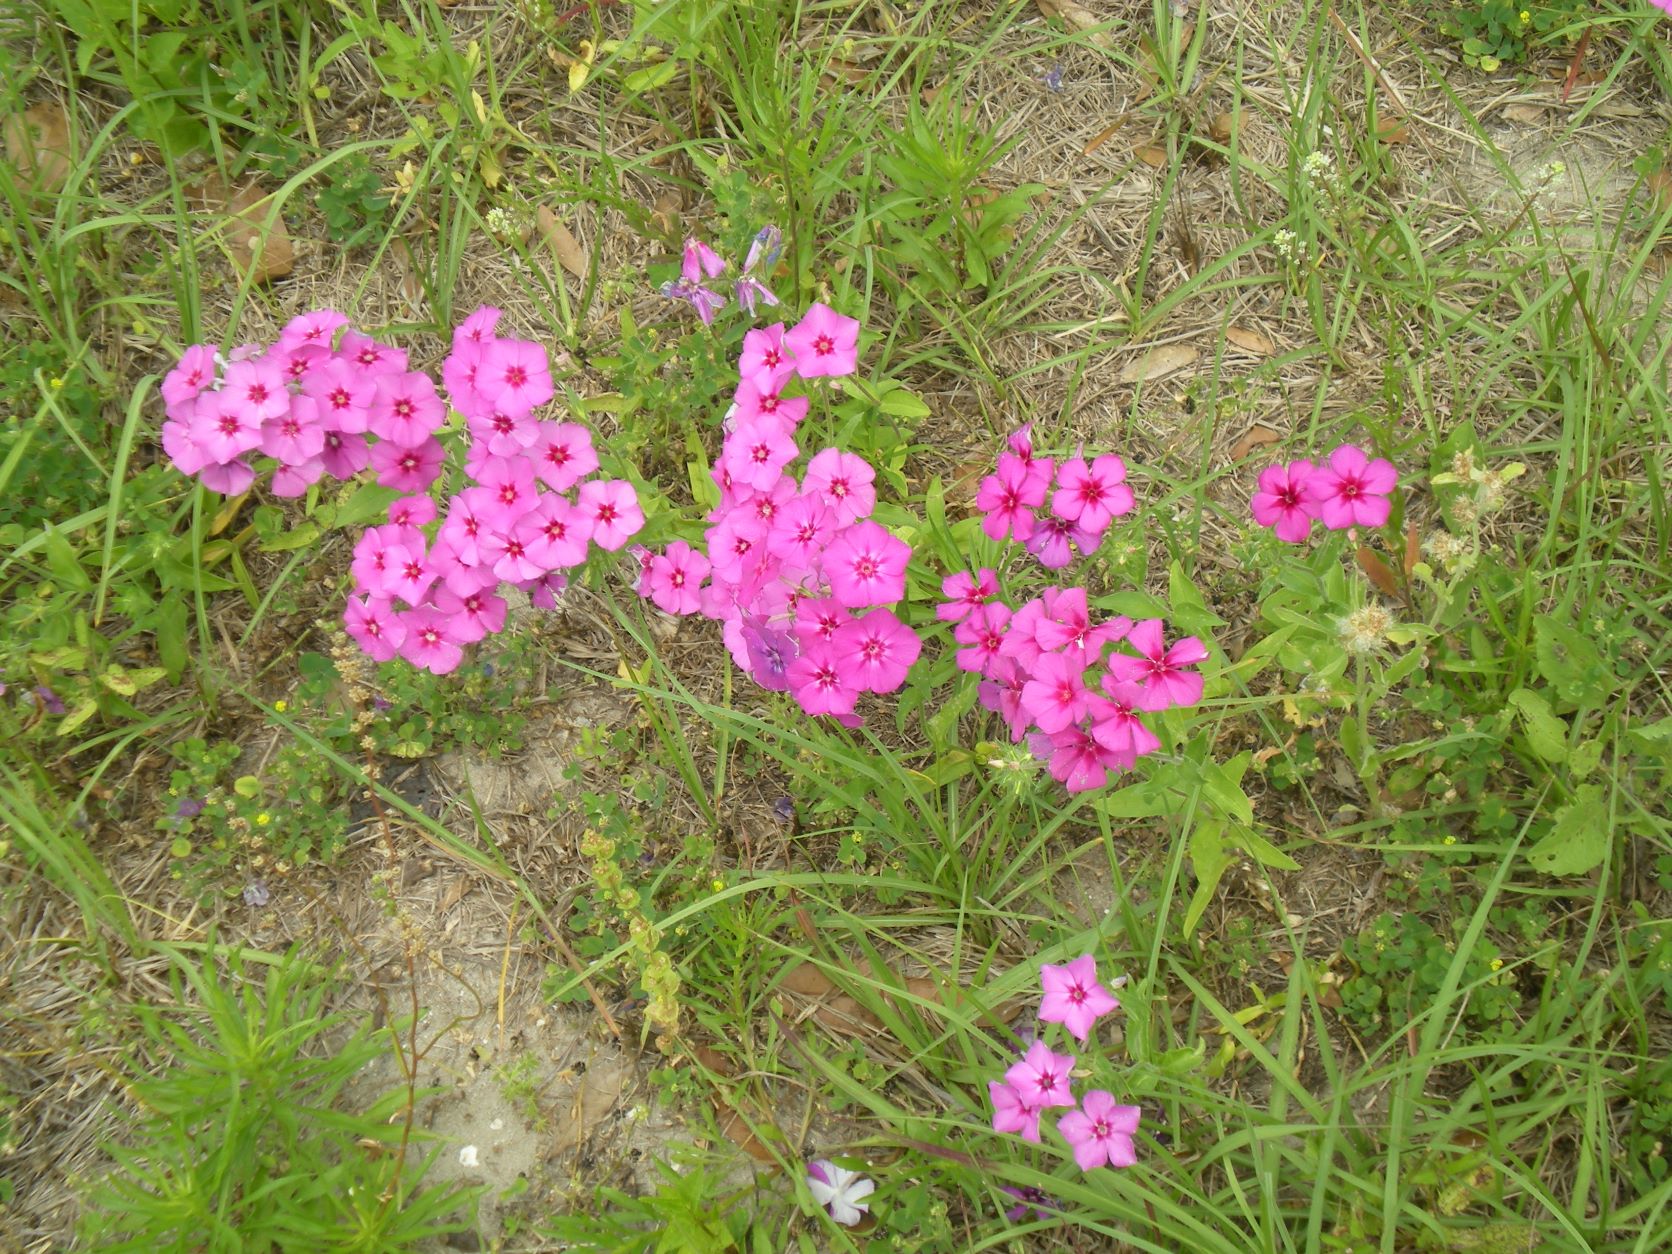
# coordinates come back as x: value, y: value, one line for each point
x: 1222, y: 785
x: 1585, y: 758
x: 61, y: 559
x: 296, y: 538
x: 1209, y: 860
x: 1262, y: 850
x: 1545, y: 732
x: 1579, y: 840
x: 76, y: 717
x: 1190, y: 612
x: 1569, y: 662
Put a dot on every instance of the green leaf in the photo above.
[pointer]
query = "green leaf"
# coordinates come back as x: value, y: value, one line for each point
x: 1569, y: 662
x: 1191, y: 614
x: 247, y: 786
x: 1579, y: 840
x: 296, y: 538
x: 1222, y: 785
x: 171, y: 634
x: 901, y: 402
x: 1262, y: 850
x: 1147, y: 800
x: 61, y: 559
x: 118, y: 681
x: 76, y: 717
x: 651, y: 76
x: 1546, y: 733
x: 1585, y: 758
x: 181, y: 847
x: 1208, y: 859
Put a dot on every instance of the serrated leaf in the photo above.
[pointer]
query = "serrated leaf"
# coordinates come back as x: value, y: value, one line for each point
x: 1578, y: 842
x: 1546, y: 733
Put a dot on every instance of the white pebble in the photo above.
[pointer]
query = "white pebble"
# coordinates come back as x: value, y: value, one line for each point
x: 468, y: 1157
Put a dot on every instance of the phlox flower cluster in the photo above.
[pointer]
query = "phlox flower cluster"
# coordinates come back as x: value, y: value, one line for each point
x: 1084, y: 497
x: 427, y: 583
x: 1098, y: 1130
x: 793, y: 566
x: 1072, y: 686
x: 701, y: 262
x: 1349, y: 490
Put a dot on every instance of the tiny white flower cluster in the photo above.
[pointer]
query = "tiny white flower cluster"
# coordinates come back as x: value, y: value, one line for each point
x: 1289, y: 246
x: 1318, y: 169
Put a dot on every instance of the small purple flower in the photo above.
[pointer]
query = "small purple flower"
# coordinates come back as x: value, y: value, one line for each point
x: 381, y: 705
x: 256, y: 894
x: 49, y: 700
x: 1041, y: 1203
x: 700, y: 260
x: 189, y: 808
x: 1052, y: 78
x: 783, y: 810
x: 763, y: 251
x: 770, y: 653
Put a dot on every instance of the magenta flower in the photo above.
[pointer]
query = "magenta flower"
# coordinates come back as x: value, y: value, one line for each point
x: 228, y: 478
x: 675, y: 578
x: 255, y: 388
x: 368, y: 356
x: 511, y: 554
x: 1352, y: 489
x: 982, y: 634
x: 878, y: 649
x: 342, y: 394
x: 824, y: 343
x: 1055, y: 697
x: 757, y: 452
x: 1115, y: 723
x: 296, y: 435
x: 345, y: 454
x: 375, y: 626
x: 866, y: 565
x: 965, y: 592
x: 475, y: 615
x: 801, y: 530
x: 1041, y: 1078
x: 611, y: 507
x: 563, y: 454
x: 1160, y: 669
x: 759, y: 398
x: 294, y: 480
x: 1101, y: 1132
x: 766, y: 361
x: 190, y: 378
x: 224, y: 428
x: 505, y: 435
x: 182, y: 450
x: 1092, y: 495
x: 1009, y: 496
x: 514, y: 376
x: 1073, y: 758
x: 412, y: 511
x: 819, y: 681
x: 1056, y: 541
x: 818, y: 620
x: 1073, y: 997
x: 701, y: 260
x: 846, y: 482
x: 431, y: 642
x: 478, y: 328
x: 1281, y: 500
x: 405, y: 409
x: 314, y: 329
x: 1012, y: 1113
x: 465, y: 525
x: 408, y: 468
x: 556, y: 533
x: 511, y: 490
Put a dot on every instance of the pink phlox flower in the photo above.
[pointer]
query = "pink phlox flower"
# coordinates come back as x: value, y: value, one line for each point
x: 300, y: 361
x: 461, y: 577
x: 375, y: 626
x: 475, y: 615
x: 1008, y: 497
x: 766, y: 360
x: 1041, y: 1078
x: 1074, y: 759
x: 982, y: 632
x: 407, y: 575
x: 194, y: 374
x: 544, y: 591
x: 734, y: 545
x: 846, y: 481
x: 224, y: 428
x: 478, y: 328
x: 1158, y: 668
x: 511, y: 488
x: 769, y: 651
x: 757, y: 399
x: 839, y: 1191
x: 700, y: 260
x: 1092, y: 495
x: 1020, y: 442
x: 757, y: 452
x: 514, y: 376
x: 368, y: 356
x: 1021, y: 641
x: 644, y: 557
x: 464, y: 526
x: 228, y: 478
x: 965, y: 592
x: 345, y: 454
x: 879, y: 650
x: 866, y: 565
x: 510, y: 554
x: 297, y: 478
x: 563, y: 454
x: 406, y: 409
x: 1101, y: 1132
x: 408, y: 468
x: 801, y: 531
x: 673, y: 580
x: 818, y: 619
x: 1352, y: 489
x: 256, y: 388
x: 1001, y: 692
x: 1030, y: 1202
x: 1057, y: 541
x: 1115, y: 723
x: 1281, y: 503
x: 611, y: 506
x: 556, y: 532
x: 506, y: 435
x: 1012, y: 1112
x: 824, y: 343
x: 1055, y: 694
x: 182, y: 450
x: 819, y: 680
x: 432, y: 640
x: 764, y: 505
x: 295, y: 436
x: 412, y: 511
x: 458, y: 376
x: 315, y: 329
x: 343, y: 394
x: 1073, y: 997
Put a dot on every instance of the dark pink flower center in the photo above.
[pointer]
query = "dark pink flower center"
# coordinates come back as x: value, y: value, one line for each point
x: 823, y: 345
x: 516, y: 377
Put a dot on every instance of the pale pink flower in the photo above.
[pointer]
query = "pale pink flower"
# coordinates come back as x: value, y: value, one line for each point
x: 824, y: 343
x: 1101, y: 1132
x: 256, y: 388
x: 1055, y: 697
x: 1073, y: 997
x: 1352, y: 489
x: 295, y: 436
x: 224, y: 428
x: 757, y: 452
x: 1012, y: 1112
x: 343, y: 394
x: 293, y: 480
x: 839, y: 1191
x: 228, y: 478
x: 474, y: 615
x: 766, y: 361
x: 555, y: 532
x: 368, y: 356
x: 192, y: 376
x: 819, y: 681
x: 1041, y: 1078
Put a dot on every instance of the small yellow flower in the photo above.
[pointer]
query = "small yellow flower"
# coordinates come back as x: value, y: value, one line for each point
x: 281, y: 706
x: 1497, y: 963
x: 263, y: 819
x: 55, y: 383
x: 1526, y: 18
x: 718, y: 885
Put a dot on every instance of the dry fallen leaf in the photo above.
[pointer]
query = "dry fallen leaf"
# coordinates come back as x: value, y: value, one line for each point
x: 1257, y: 436
x: 733, y: 1126
x: 1523, y: 114
x: 1659, y: 184
x: 1413, y: 549
x: 1223, y: 126
x: 1393, y: 131
x: 664, y: 213
x: 1078, y: 17
x: 565, y: 247
x: 1378, y: 571
x: 1103, y: 136
x: 1151, y: 155
x: 1158, y: 363
x: 255, y: 236
x: 38, y: 145
x: 1251, y: 341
